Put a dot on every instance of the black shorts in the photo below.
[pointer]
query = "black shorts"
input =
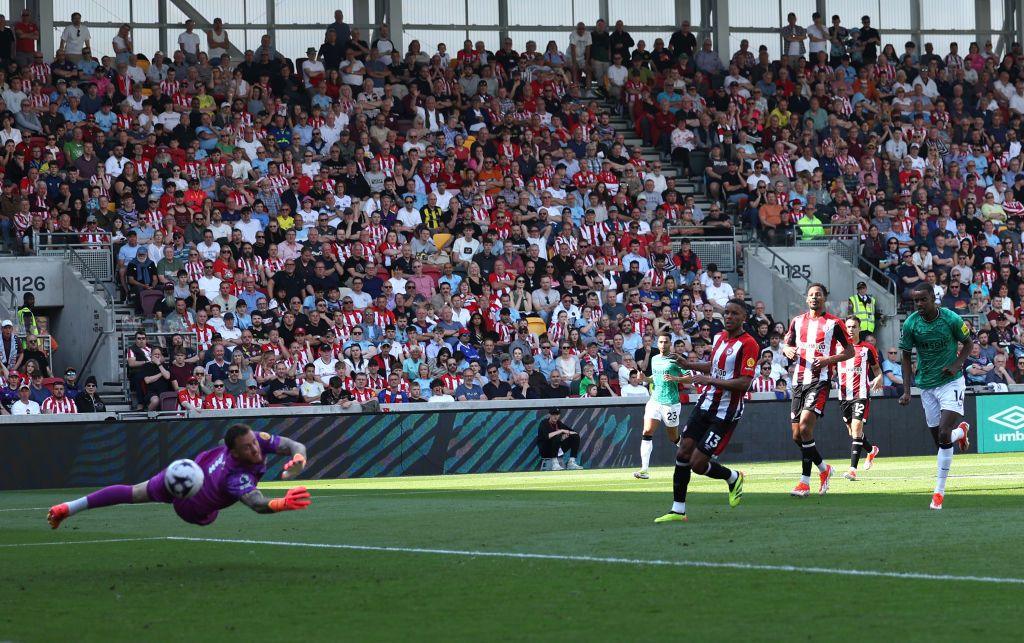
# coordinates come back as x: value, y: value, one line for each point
x: 809, y: 397
x: 855, y: 410
x: 709, y: 433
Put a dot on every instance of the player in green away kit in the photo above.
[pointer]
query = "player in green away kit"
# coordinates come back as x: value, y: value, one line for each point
x: 663, y: 407
x: 943, y: 341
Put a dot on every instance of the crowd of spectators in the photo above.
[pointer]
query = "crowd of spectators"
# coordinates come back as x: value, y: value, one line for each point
x: 364, y: 224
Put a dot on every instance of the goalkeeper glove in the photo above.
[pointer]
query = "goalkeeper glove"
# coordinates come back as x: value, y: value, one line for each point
x: 296, y: 498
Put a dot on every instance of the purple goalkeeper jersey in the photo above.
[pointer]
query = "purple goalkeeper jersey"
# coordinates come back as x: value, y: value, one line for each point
x: 226, y: 480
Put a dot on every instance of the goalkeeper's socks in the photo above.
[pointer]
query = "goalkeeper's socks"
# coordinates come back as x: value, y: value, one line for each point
x: 118, y: 494
x: 77, y: 505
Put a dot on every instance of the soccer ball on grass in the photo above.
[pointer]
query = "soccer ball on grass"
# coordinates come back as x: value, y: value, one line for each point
x: 183, y: 479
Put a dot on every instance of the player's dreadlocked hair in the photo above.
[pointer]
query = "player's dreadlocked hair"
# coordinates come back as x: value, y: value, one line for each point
x: 234, y: 432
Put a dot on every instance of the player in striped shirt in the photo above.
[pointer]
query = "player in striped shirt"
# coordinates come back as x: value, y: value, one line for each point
x: 726, y: 379
x: 815, y: 343
x: 855, y: 396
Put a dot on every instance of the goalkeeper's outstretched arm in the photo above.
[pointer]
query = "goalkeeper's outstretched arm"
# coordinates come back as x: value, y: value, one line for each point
x: 294, y: 499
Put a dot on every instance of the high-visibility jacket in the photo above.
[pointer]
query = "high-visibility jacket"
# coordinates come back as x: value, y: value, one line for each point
x: 810, y: 227
x: 865, y: 312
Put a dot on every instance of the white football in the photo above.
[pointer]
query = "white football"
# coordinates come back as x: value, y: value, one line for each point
x: 183, y: 479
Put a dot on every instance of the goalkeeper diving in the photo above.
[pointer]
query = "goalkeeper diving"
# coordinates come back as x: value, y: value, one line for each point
x: 231, y: 472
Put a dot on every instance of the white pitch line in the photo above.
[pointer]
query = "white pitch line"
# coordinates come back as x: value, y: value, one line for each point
x: 26, y: 509
x: 615, y: 561
x: 84, y: 542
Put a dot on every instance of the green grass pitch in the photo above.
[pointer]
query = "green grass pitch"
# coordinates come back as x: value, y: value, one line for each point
x: 775, y: 568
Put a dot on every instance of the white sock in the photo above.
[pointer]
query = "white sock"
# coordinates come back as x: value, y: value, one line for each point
x: 957, y: 434
x: 945, y: 459
x: 78, y: 505
x: 805, y: 479
x: 822, y: 466
x: 734, y: 476
x: 646, y: 448
x: 679, y: 507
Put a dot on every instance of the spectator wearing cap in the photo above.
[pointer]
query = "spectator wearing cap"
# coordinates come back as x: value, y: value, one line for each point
x: 140, y: 275
x: 190, y: 397
x: 10, y: 348
x: 71, y: 389
x: 24, y: 405
x: 555, y: 437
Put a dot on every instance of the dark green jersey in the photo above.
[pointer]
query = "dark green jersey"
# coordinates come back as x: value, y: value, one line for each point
x: 937, y: 343
x: 664, y: 392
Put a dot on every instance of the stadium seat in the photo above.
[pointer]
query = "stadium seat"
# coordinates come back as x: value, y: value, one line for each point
x: 537, y: 326
x: 169, y: 401
x: 441, y: 238
x: 149, y: 300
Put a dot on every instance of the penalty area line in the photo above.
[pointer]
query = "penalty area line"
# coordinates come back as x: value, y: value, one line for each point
x: 613, y: 560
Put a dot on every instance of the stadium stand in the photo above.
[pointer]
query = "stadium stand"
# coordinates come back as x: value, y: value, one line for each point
x: 507, y: 224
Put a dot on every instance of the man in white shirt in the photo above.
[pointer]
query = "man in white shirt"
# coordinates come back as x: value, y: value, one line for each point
x: 75, y: 38
x: 438, y: 394
x: 209, y: 283
x: 634, y: 388
x: 188, y: 42
x: 807, y: 162
x: 929, y: 88
x: 817, y: 35
x: 758, y: 176
x: 719, y: 292
x: 325, y: 364
x: 248, y: 143
x: 1017, y: 99
x: 408, y: 218
x: 208, y: 249
x: 24, y: 405
x: 465, y: 247
x: 248, y: 226
x: 116, y: 162
x: 615, y: 78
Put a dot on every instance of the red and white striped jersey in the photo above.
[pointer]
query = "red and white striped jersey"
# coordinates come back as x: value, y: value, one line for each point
x: 277, y: 182
x: 250, y: 401
x: 184, y: 396
x: 219, y: 403
x: 194, y: 270
x: 731, y: 357
x: 363, y: 395
x: 451, y: 382
x: 595, y: 234
x: 762, y: 385
x: 63, y: 406
x: 814, y: 337
x: 204, y: 336
x: 854, y: 375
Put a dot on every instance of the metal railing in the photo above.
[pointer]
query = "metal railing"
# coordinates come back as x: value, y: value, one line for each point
x: 712, y: 244
x: 96, y: 258
x: 841, y: 239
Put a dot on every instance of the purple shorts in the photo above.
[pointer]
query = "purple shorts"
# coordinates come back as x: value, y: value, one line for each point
x: 185, y: 509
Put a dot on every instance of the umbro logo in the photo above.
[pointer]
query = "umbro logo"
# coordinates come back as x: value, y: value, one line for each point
x: 1012, y: 418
